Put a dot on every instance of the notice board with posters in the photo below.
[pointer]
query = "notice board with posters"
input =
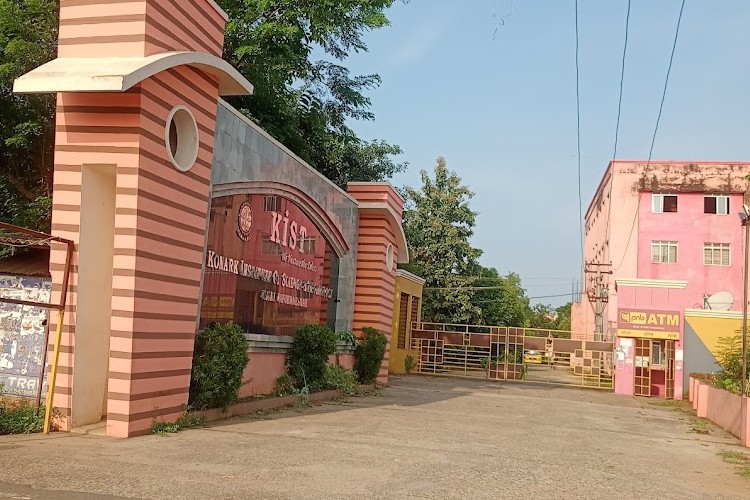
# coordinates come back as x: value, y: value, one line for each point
x: 22, y: 333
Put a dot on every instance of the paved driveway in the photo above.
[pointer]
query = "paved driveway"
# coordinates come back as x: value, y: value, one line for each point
x: 421, y: 438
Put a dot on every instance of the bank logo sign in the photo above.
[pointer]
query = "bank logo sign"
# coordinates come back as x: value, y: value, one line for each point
x: 644, y: 323
x: 244, y: 221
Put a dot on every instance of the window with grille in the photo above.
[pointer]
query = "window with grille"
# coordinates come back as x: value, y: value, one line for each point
x: 663, y: 203
x: 403, y: 318
x: 272, y: 204
x: 414, y: 310
x: 716, y: 204
x: 664, y: 252
x: 716, y: 254
x: 307, y: 245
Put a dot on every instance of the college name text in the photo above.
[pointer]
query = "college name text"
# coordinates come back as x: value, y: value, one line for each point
x: 241, y: 268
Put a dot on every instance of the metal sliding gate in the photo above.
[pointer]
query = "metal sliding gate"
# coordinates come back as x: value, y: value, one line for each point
x: 505, y: 353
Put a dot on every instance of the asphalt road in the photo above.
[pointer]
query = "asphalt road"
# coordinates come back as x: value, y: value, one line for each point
x: 420, y: 438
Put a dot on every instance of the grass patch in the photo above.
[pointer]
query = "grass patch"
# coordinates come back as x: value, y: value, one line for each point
x: 734, y: 457
x: 186, y: 421
x: 701, y: 426
x: 737, y: 458
x: 163, y: 428
x: 265, y: 413
x: 697, y: 425
x: 189, y: 420
x: 303, y: 401
x: 683, y: 406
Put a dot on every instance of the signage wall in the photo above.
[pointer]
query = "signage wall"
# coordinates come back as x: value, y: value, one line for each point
x: 641, y: 323
x: 268, y: 268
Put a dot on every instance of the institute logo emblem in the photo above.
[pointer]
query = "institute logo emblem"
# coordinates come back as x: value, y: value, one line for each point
x: 244, y: 221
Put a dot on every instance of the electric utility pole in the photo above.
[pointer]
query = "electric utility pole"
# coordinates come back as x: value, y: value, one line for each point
x: 597, y: 290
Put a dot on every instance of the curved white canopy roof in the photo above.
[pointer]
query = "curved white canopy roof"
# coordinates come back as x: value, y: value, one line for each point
x: 118, y: 74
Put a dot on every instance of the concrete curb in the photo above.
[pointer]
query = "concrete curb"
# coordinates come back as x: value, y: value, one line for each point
x: 250, y: 407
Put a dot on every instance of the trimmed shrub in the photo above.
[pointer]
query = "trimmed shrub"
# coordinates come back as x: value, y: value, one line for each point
x: 219, y: 359
x: 341, y: 379
x: 369, y: 355
x: 308, y: 357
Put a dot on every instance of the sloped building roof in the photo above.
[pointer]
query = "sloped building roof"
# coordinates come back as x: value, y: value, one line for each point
x: 31, y: 263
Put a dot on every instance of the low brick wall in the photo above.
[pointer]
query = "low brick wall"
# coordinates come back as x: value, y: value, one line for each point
x: 267, y: 355
x: 727, y: 410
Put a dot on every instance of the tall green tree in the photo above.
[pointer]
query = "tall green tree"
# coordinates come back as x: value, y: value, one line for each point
x: 501, y: 300
x: 439, y: 224
x: 28, y: 38
x: 292, y: 51
x: 548, y: 318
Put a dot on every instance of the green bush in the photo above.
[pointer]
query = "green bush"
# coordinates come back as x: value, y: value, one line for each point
x: 369, y: 355
x: 409, y: 363
x: 348, y: 337
x: 341, y: 379
x: 20, y: 419
x: 729, y: 356
x: 308, y: 357
x: 219, y: 359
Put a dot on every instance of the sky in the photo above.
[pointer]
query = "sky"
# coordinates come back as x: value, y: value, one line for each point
x: 490, y: 86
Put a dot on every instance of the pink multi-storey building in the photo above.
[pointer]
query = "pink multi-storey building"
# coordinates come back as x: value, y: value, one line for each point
x: 667, y: 239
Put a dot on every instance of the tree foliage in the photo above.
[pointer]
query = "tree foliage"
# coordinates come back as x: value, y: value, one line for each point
x: 503, y: 302
x: 28, y: 38
x: 292, y: 51
x: 439, y: 223
x: 304, y: 101
x: 546, y: 317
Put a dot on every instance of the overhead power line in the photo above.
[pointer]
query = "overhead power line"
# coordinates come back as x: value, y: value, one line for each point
x: 505, y: 278
x: 472, y: 288
x: 619, y: 108
x: 666, y: 82
x: 530, y: 298
x: 656, y: 127
x: 622, y: 80
x: 578, y: 140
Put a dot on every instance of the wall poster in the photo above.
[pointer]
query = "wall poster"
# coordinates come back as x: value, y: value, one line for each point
x: 22, y: 334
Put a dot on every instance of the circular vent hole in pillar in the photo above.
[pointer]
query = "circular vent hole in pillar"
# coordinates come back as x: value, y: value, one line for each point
x: 182, y: 138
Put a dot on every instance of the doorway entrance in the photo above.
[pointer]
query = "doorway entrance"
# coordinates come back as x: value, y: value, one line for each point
x: 654, y: 368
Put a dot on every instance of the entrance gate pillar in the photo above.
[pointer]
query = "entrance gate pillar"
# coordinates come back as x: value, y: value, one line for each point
x: 138, y: 86
x: 381, y: 245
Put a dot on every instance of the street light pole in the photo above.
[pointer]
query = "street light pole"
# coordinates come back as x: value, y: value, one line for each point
x: 745, y: 218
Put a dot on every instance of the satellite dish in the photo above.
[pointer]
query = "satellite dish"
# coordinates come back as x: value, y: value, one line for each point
x: 720, y: 301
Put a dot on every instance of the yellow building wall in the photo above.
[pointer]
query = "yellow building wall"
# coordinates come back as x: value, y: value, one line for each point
x: 408, y: 285
x: 710, y: 329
